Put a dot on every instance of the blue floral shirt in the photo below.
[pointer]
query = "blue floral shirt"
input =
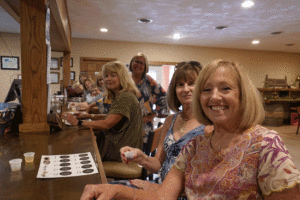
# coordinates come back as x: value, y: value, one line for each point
x: 172, y: 148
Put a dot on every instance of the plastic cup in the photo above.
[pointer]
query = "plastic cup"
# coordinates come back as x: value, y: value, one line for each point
x: 15, y: 164
x: 29, y: 157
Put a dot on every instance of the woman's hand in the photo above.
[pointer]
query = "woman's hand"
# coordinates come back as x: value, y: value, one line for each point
x: 144, y: 185
x: 70, y: 118
x: 106, y: 191
x: 73, y: 104
x: 81, y: 115
x: 137, y: 154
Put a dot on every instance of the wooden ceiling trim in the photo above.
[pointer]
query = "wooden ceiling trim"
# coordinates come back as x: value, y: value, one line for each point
x: 159, y: 63
x: 60, y: 13
x: 10, y: 10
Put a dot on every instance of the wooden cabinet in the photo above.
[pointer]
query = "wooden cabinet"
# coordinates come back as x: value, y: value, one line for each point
x: 279, y: 104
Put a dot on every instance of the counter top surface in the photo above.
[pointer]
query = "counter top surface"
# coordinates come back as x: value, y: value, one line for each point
x: 24, y: 184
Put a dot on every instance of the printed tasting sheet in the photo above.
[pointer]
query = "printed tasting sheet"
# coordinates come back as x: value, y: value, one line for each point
x: 67, y: 165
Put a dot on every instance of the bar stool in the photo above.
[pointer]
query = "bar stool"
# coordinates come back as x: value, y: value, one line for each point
x: 120, y: 170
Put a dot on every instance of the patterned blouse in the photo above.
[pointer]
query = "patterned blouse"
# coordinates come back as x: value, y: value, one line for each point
x: 257, y: 165
x: 152, y: 94
x: 172, y: 148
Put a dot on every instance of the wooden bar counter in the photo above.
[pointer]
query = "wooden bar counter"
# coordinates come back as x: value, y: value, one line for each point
x: 24, y: 184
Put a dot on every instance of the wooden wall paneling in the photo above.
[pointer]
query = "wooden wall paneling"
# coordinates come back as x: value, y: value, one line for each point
x: 93, y: 64
x: 34, y: 69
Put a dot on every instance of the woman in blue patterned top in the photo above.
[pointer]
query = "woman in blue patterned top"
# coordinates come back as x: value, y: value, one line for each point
x: 151, y: 93
x: 177, y: 130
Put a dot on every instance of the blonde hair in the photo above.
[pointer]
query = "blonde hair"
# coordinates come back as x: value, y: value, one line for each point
x: 146, y: 62
x: 184, y: 72
x: 126, y: 81
x: 77, y: 85
x: 88, y: 79
x: 98, y: 76
x: 252, y: 110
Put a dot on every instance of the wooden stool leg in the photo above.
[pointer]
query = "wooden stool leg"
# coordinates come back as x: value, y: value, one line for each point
x: 298, y: 128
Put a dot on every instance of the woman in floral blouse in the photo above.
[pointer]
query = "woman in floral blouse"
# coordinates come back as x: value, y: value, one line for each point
x: 151, y: 93
x: 238, y: 160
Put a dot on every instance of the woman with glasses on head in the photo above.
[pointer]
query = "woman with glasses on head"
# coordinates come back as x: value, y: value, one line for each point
x: 176, y: 131
x: 122, y: 126
x: 151, y: 93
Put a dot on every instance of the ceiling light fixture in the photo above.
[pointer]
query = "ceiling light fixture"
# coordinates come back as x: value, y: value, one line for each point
x: 221, y: 27
x: 145, y: 20
x: 104, y: 30
x: 176, y: 36
x: 255, y: 42
x: 247, y: 4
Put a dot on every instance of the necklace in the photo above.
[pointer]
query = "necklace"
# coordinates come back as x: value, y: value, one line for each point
x: 183, y: 125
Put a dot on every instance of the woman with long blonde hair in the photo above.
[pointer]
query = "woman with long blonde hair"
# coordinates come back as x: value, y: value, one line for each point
x: 122, y: 126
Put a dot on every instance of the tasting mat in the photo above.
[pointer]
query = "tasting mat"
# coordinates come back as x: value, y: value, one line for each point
x: 67, y: 165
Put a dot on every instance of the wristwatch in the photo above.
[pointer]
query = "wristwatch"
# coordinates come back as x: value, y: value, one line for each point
x: 79, y: 123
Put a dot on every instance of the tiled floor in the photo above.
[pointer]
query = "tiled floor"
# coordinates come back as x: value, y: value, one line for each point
x: 291, y: 141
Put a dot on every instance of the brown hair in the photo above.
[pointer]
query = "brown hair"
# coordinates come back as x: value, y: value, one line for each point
x: 184, y: 72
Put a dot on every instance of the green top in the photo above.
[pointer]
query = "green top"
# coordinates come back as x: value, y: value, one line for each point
x: 127, y: 132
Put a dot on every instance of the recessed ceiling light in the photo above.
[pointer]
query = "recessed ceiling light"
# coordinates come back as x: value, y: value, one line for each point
x: 104, y: 30
x: 277, y: 32
x: 145, y: 20
x: 255, y: 42
x: 247, y: 4
x: 221, y: 27
x: 289, y: 45
x: 176, y: 36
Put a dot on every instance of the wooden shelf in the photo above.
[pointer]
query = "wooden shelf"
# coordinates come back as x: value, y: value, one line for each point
x: 279, y: 89
x: 280, y: 94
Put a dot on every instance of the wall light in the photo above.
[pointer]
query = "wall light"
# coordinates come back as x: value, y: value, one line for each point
x: 176, y: 36
x: 104, y: 30
x: 255, y: 42
x: 247, y: 4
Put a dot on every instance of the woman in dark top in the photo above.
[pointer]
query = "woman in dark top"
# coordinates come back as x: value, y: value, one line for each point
x: 122, y: 126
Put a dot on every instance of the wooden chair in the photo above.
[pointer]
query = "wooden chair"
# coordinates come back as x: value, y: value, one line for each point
x: 120, y: 170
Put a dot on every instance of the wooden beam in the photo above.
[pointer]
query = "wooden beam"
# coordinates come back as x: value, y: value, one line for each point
x: 66, y: 69
x: 10, y: 10
x: 59, y: 11
x: 34, y: 66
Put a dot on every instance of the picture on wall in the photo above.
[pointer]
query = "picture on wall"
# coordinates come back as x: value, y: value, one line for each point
x: 72, y: 77
x: 10, y: 63
x: 54, y: 77
x: 54, y: 63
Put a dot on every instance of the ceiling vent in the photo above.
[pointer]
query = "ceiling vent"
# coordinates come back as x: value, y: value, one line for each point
x: 145, y: 20
x: 221, y: 27
x: 277, y: 32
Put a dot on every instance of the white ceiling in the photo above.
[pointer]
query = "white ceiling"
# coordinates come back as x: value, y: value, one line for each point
x: 193, y: 19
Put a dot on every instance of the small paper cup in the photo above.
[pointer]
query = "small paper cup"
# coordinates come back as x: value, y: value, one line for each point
x: 29, y: 157
x: 15, y: 164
